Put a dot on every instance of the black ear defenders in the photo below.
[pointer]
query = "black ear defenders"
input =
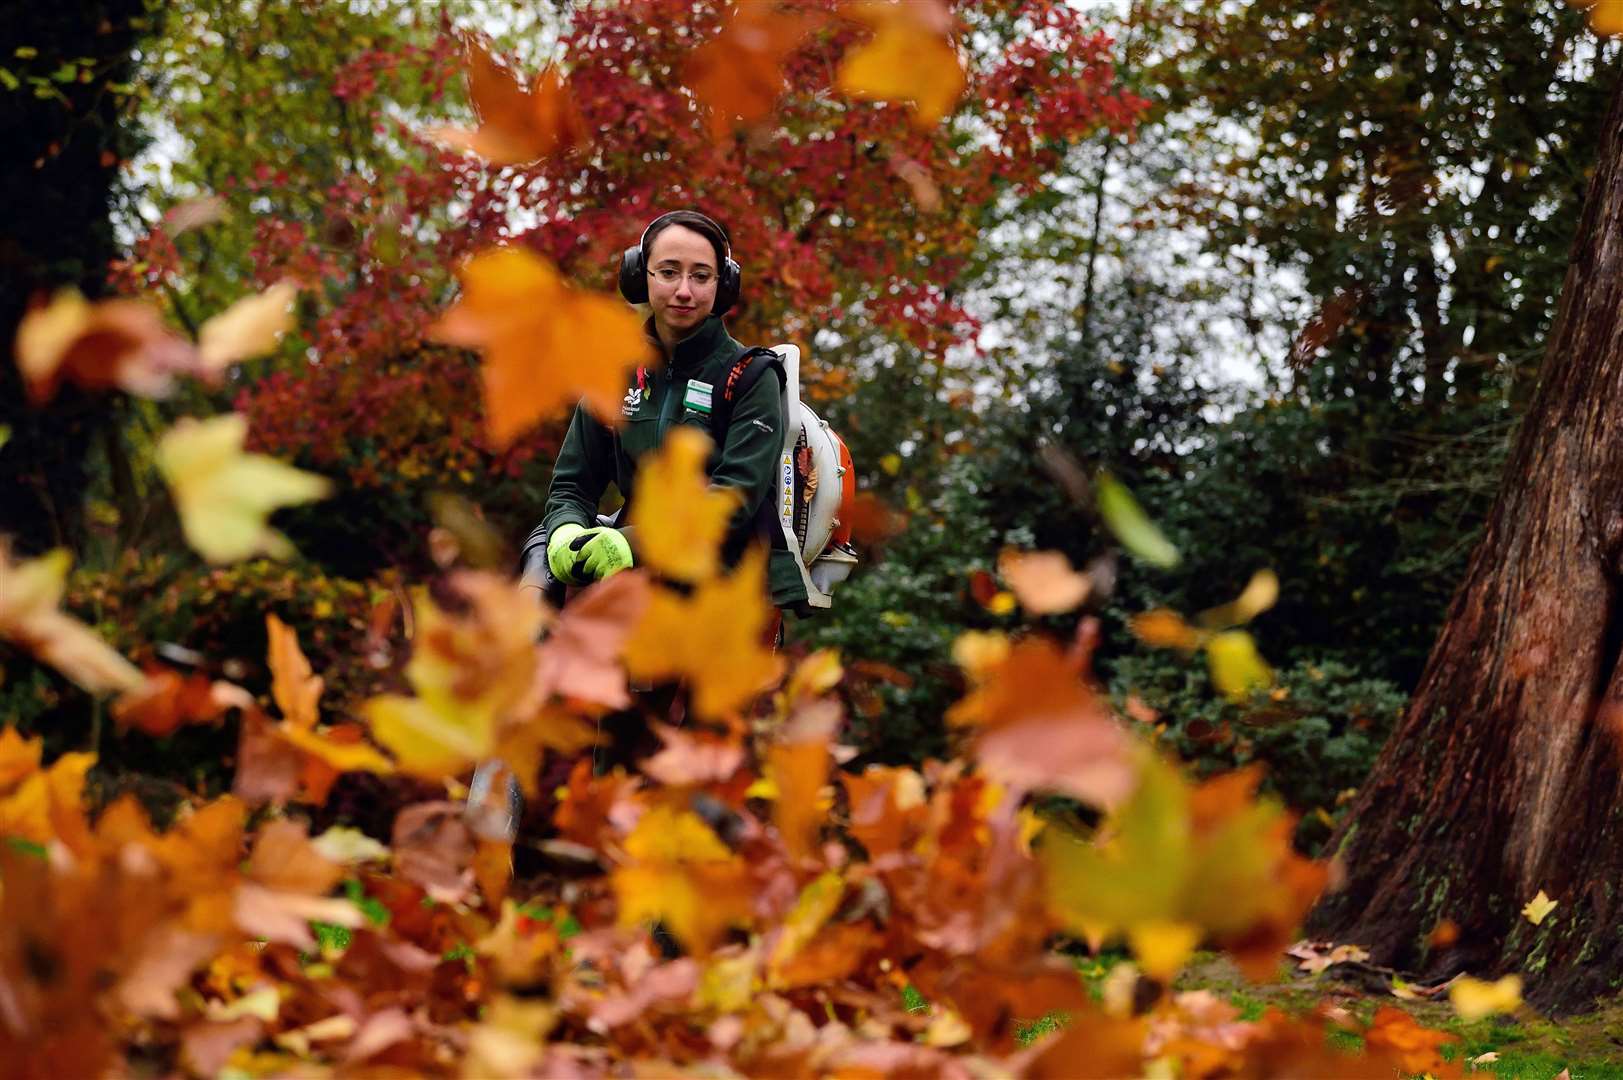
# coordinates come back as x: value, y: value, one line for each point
x: 634, y: 268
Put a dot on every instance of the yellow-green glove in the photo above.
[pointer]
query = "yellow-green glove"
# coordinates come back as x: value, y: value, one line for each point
x: 563, y: 552
x: 605, y: 554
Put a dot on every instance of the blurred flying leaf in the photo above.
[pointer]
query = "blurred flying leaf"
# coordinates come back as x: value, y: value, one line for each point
x: 29, y: 618
x: 679, y: 872
x: 683, y: 637
x: 1475, y: 999
x: 1260, y: 594
x: 473, y: 670
x: 1131, y: 525
x: 109, y: 343
x: 194, y: 214
x: 1605, y: 16
x: 223, y: 495
x: 1213, y: 858
x: 679, y: 518
x: 738, y: 74
x: 1043, y: 581
x: 1238, y: 669
x: 517, y: 124
x: 1164, y: 628
x: 248, y: 328
x: 1041, y: 728
x: 528, y: 322
x: 479, y: 546
x: 910, y: 57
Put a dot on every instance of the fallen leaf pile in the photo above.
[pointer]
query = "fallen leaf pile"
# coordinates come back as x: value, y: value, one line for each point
x: 737, y: 903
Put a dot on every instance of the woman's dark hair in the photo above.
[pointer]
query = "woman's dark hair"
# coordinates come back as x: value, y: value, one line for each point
x: 707, y: 227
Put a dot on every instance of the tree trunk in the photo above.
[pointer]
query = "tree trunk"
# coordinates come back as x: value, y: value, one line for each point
x: 1504, y: 776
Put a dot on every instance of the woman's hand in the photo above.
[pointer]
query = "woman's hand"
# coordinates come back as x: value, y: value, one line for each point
x: 577, y: 555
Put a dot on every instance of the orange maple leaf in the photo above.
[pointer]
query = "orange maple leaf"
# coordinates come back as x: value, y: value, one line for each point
x: 911, y: 57
x: 678, y: 518
x: 545, y: 343
x: 324, y: 755
x: 517, y: 124
x: 739, y: 74
x: 713, y: 638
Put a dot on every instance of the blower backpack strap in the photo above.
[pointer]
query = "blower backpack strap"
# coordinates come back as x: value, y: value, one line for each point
x: 746, y: 370
x: 742, y: 375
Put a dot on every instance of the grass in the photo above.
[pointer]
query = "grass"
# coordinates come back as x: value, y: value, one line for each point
x: 1590, y: 1047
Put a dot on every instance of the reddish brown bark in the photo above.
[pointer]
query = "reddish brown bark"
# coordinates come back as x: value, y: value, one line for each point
x: 1504, y: 776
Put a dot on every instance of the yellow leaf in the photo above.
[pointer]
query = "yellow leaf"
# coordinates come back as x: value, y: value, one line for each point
x: 910, y: 58
x: 688, y: 637
x: 248, y: 328
x: 1162, y: 947
x: 891, y: 464
x: 223, y: 495
x: 816, y: 674
x: 674, y: 836
x: 341, y: 756
x: 1237, y: 668
x: 683, y: 875
x: 29, y: 619
x: 473, y: 671
x: 816, y: 904
x: 532, y: 326
x: 679, y: 518
x: 980, y: 652
x: 1538, y: 907
x: 426, y: 741
x: 1260, y: 594
x: 1474, y: 999
x: 1043, y: 581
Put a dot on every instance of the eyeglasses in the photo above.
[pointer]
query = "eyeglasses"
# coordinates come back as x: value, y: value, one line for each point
x: 700, y: 276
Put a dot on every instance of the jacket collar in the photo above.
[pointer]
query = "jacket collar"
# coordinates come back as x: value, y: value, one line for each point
x: 694, y: 349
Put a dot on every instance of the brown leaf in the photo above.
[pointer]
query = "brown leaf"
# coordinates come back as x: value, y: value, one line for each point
x: 434, y: 848
x: 207, y: 1045
x: 692, y: 758
x: 581, y: 657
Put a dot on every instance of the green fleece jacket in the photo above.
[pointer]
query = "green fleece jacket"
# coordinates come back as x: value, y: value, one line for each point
x: 746, y: 458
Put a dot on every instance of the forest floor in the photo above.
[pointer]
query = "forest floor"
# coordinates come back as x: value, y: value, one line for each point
x: 1528, y: 1047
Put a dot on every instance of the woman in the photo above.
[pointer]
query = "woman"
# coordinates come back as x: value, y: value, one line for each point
x: 682, y: 267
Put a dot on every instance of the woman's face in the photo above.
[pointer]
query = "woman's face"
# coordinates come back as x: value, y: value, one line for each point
x: 681, y: 279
